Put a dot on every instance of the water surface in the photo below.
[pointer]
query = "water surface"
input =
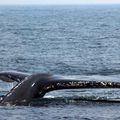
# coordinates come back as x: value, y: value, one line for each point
x: 76, y: 41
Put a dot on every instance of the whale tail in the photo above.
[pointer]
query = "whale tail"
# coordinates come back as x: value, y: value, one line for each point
x: 83, y: 84
x: 36, y: 86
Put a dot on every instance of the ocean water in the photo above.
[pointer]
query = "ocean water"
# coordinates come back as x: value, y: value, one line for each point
x: 73, y: 41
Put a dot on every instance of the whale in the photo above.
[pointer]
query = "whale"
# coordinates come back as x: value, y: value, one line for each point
x: 32, y: 86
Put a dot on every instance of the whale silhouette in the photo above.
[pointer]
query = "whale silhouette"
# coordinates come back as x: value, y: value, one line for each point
x: 33, y: 86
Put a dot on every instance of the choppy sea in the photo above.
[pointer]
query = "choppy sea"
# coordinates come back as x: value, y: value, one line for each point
x: 73, y: 41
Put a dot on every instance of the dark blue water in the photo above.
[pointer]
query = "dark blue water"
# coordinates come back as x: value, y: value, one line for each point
x: 73, y: 41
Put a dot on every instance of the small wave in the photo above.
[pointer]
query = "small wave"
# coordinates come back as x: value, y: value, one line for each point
x: 104, y: 25
x: 104, y: 72
x: 72, y: 101
x: 85, y: 118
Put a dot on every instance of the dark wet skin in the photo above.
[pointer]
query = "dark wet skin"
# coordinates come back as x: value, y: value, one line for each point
x: 12, y: 76
x: 34, y: 86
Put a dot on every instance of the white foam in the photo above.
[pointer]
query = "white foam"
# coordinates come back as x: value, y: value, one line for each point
x: 49, y: 96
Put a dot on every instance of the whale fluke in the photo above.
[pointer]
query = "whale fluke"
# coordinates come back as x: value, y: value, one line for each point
x: 12, y: 76
x: 37, y: 85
